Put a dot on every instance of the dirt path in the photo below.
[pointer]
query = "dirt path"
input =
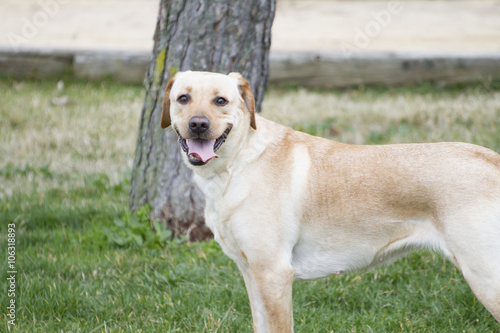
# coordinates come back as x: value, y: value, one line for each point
x: 333, y: 26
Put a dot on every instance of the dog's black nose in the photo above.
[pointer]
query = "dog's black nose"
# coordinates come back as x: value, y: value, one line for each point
x: 199, y: 125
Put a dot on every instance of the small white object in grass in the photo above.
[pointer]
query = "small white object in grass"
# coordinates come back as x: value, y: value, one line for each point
x: 60, y: 85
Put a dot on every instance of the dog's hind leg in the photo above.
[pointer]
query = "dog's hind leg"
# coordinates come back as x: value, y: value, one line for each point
x: 474, y: 244
x: 485, y: 285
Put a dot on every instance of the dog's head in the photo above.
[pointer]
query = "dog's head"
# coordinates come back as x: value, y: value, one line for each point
x: 204, y: 108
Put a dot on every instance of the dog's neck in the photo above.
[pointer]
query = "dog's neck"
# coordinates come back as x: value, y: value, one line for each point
x: 236, y: 153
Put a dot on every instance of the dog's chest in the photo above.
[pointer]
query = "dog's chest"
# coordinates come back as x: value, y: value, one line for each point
x: 223, y: 206
x: 219, y: 219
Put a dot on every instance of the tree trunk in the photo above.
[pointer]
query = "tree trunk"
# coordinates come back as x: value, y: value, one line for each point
x: 206, y: 35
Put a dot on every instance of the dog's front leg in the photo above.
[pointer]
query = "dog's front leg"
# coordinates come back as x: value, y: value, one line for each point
x: 270, y: 293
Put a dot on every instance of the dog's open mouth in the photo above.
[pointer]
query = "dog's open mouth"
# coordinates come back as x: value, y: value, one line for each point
x: 200, y: 151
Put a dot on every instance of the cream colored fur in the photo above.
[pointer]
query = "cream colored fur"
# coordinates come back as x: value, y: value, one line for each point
x: 286, y: 205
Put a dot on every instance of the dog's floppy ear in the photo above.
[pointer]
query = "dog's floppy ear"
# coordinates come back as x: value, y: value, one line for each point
x: 247, y: 95
x: 165, y: 115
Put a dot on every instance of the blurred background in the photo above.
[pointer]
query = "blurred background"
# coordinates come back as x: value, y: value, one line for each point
x: 324, y: 42
x: 360, y: 72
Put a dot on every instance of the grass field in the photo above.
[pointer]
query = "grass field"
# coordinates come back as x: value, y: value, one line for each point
x: 65, y: 160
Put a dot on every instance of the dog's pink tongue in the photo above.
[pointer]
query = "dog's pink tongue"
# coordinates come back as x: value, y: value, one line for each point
x: 202, y: 149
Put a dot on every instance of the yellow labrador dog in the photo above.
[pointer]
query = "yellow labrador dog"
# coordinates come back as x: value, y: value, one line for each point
x: 286, y: 205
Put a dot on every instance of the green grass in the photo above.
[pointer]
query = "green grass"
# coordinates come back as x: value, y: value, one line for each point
x: 64, y: 173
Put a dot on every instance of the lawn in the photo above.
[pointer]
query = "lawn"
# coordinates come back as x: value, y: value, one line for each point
x: 85, y: 264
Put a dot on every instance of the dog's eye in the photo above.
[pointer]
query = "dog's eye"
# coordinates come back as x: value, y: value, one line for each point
x: 220, y: 101
x: 183, y: 99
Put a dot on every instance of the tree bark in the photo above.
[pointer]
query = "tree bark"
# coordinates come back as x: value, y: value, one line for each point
x: 206, y: 35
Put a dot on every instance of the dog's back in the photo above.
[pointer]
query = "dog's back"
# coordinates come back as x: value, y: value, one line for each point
x: 363, y: 205
x: 284, y: 204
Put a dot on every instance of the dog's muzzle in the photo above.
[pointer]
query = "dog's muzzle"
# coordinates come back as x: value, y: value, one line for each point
x: 200, y: 151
